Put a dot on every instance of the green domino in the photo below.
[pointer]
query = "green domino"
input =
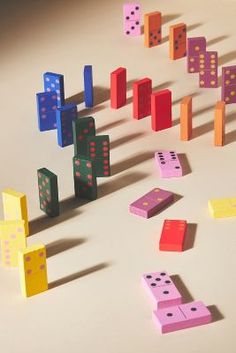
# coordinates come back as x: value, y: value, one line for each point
x: 48, y: 192
x: 85, y: 182
x: 82, y: 128
x: 98, y: 150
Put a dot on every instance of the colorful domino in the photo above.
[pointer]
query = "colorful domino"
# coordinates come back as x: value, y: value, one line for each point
x: 12, y: 238
x: 65, y: 116
x: 169, y: 164
x: 186, y: 118
x: 221, y: 208
x: 15, y: 207
x: 88, y: 86
x: 177, y: 41
x: 228, y: 90
x: 82, y: 129
x: 33, y: 270
x: 152, y: 202
x: 161, y: 289
x: 99, y: 152
x: 208, y: 74
x: 132, y: 19
x: 46, y: 108
x: 182, y: 316
x: 152, y: 29
x: 48, y: 192
x: 173, y: 235
x: 142, y: 91
x: 118, y: 88
x: 55, y: 82
x: 219, y: 124
x: 161, y: 110
x: 195, y: 45
x: 85, y: 182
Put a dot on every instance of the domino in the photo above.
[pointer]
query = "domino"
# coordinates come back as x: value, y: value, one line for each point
x: 88, y: 86
x: 162, y: 291
x: 48, y: 192
x: 142, y: 91
x: 208, y: 74
x: 152, y: 29
x: 186, y: 118
x: 228, y: 90
x: 132, y: 19
x: 173, y: 235
x: 221, y: 208
x: 219, y: 124
x: 178, y: 41
x: 118, y: 87
x: 161, y: 110
x: 169, y: 164
x: 15, y: 207
x: 85, y: 182
x: 55, y: 82
x: 151, y: 203
x: 33, y: 270
x: 46, y: 108
x: 65, y: 116
x: 82, y: 128
x: 182, y: 316
x: 99, y: 152
x: 195, y: 45
x: 12, y: 238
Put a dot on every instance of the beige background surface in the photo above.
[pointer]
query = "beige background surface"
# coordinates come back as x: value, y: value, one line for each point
x: 97, y: 251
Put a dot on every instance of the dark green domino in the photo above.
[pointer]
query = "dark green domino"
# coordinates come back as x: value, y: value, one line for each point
x: 85, y: 182
x: 98, y: 150
x: 82, y: 128
x: 48, y: 192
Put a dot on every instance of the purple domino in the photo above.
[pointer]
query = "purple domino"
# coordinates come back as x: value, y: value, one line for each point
x: 228, y: 92
x: 152, y: 202
x: 132, y: 19
x: 194, y: 47
x: 161, y: 289
x: 182, y: 316
x: 169, y: 164
x: 208, y: 74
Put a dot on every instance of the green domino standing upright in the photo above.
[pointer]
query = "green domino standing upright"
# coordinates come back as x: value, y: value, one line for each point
x: 48, y: 192
x: 85, y: 182
x: 82, y: 128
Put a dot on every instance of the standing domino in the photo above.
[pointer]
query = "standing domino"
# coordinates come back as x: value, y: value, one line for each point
x: 195, y: 45
x: 132, y: 19
x: 228, y: 91
x: 186, y: 118
x: 55, y: 82
x: 161, y: 110
x: 118, y: 88
x: 169, y: 164
x: 82, y: 129
x: 48, y: 192
x: 152, y: 29
x: 142, y: 91
x: 208, y: 74
x: 65, y: 116
x: 88, y: 86
x: 178, y: 38
x: 46, y: 107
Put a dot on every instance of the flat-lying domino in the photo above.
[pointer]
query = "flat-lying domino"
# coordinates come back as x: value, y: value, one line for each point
x: 161, y: 289
x: 169, y: 164
x: 173, y: 235
x: 152, y: 202
x: 221, y: 208
x: 182, y: 316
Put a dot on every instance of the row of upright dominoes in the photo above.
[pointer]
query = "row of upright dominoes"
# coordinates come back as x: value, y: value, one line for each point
x: 170, y: 313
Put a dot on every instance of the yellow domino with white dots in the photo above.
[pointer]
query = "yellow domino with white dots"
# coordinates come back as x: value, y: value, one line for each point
x: 221, y: 208
x: 12, y: 239
x: 15, y: 207
x: 33, y: 270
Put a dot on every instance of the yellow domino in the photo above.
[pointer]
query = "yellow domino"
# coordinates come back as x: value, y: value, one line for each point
x: 12, y: 239
x: 221, y: 208
x: 15, y: 207
x: 33, y: 270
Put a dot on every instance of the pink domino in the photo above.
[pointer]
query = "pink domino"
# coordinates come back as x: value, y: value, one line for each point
x: 169, y: 164
x: 161, y: 289
x: 152, y: 202
x: 132, y: 19
x: 182, y: 316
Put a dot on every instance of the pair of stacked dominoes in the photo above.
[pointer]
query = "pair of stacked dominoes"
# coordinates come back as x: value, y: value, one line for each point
x: 31, y: 260
x: 170, y: 313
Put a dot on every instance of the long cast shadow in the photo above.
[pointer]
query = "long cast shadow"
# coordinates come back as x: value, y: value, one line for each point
x: 215, y: 313
x: 131, y: 162
x: 125, y: 139
x: 77, y: 98
x: 216, y: 40
x: 170, y: 17
x: 184, y: 164
x: 187, y: 297
x: 190, y: 236
x: 61, y: 245
x: 224, y: 59
x: 111, y: 125
x: 163, y: 85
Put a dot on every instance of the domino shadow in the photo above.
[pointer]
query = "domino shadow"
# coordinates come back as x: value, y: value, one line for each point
x: 190, y: 236
x: 111, y: 125
x: 215, y: 313
x: 90, y: 111
x: 170, y: 17
x: 224, y: 59
x: 230, y: 137
x: 131, y: 162
x: 163, y: 85
x: 76, y: 98
x: 120, y: 183
x: 125, y: 139
x: 216, y: 40
x: 79, y: 274
x: 187, y: 297
x: 61, y: 245
x: 184, y: 163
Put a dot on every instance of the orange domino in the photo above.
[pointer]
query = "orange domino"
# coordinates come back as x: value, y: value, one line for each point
x: 152, y: 29
x: 219, y: 124
x: 186, y: 118
x: 178, y: 41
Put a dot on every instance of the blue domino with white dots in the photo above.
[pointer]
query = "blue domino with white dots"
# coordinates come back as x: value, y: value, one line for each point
x: 64, y: 117
x: 88, y: 86
x: 46, y: 109
x: 55, y: 82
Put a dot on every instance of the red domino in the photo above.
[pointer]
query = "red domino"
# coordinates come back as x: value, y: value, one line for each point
x: 118, y: 88
x: 142, y: 91
x: 173, y: 235
x: 161, y: 110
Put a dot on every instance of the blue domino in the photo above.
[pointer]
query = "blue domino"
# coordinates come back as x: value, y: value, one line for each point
x: 46, y: 108
x: 88, y: 86
x: 55, y: 82
x: 65, y: 115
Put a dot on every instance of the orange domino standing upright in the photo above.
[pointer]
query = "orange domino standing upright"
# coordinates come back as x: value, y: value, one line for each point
x: 186, y: 118
x: 152, y: 29
x: 118, y: 88
x: 219, y: 123
x: 178, y: 41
